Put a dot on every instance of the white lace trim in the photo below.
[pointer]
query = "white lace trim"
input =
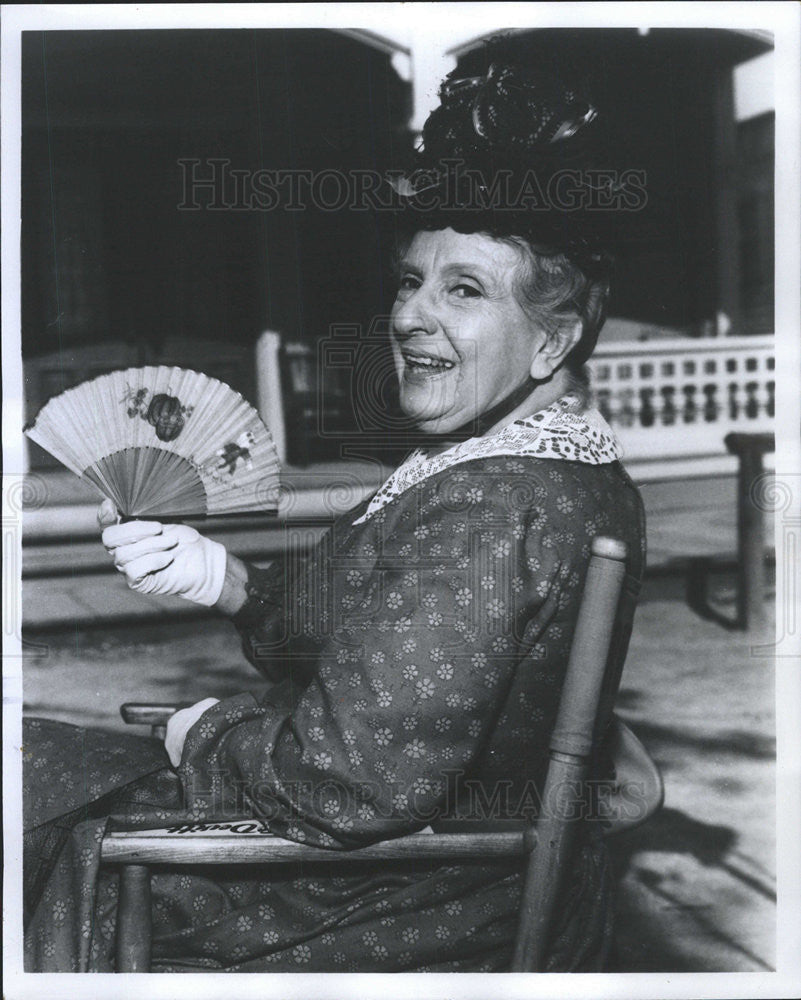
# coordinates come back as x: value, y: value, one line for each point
x: 561, y: 431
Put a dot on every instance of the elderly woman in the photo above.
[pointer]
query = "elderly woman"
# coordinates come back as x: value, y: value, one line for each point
x: 415, y: 659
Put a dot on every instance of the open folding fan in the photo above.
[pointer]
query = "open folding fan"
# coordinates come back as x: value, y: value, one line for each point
x: 163, y: 442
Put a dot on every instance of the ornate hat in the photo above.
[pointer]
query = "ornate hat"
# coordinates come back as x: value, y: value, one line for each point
x: 515, y: 152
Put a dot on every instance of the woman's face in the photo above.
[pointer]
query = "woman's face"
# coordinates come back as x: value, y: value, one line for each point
x: 460, y: 339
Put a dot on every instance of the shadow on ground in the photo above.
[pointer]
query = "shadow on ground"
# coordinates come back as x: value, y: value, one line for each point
x: 643, y: 944
x: 696, y: 883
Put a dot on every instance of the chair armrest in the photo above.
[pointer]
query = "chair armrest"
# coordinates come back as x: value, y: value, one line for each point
x: 140, y: 713
x: 195, y: 846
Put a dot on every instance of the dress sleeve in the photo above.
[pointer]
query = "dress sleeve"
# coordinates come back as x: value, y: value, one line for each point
x: 410, y: 679
x: 260, y: 618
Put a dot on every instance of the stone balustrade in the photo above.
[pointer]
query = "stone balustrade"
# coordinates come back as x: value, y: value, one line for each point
x: 679, y: 398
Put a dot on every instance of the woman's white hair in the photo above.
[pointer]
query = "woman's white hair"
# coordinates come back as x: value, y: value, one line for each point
x: 551, y: 287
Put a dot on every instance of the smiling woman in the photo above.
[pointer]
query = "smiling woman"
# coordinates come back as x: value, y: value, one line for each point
x: 414, y: 659
x: 466, y: 340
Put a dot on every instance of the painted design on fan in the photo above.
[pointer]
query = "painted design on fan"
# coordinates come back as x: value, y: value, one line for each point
x: 231, y: 453
x: 136, y: 398
x: 165, y: 412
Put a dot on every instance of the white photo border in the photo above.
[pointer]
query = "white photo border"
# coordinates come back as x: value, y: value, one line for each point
x: 783, y: 20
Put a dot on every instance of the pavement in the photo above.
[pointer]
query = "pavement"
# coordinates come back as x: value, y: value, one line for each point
x: 696, y: 883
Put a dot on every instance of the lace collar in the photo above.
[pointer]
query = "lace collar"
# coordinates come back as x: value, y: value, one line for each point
x: 563, y: 431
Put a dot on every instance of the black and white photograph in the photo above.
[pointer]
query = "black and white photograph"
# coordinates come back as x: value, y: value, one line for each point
x: 402, y: 499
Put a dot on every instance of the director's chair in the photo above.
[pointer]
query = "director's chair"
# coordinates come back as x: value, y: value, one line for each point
x: 546, y: 843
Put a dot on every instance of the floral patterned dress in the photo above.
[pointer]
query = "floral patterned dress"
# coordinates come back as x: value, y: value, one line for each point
x: 414, y: 661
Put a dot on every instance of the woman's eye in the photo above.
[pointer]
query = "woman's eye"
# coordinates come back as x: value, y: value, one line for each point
x: 463, y: 291
x: 408, y: 282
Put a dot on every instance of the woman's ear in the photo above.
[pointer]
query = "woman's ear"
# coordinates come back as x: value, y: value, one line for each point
x: 555, y: 348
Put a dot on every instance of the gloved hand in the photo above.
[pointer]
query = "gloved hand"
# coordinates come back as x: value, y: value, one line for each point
x: 178, y: 726
x: 166, y: 558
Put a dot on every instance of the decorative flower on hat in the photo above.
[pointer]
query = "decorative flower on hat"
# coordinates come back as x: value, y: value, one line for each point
x: 510, y: 108
x: 511, y: 118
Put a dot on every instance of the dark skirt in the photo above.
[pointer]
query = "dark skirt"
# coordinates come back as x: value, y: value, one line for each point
x: 235, y: 918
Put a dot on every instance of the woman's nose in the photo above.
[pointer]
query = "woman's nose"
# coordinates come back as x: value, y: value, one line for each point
x: 413, y: 316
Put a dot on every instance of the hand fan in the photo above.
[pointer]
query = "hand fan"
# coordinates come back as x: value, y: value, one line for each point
x: 163, y: 442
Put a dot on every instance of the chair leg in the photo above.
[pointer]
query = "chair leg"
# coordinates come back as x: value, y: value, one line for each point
x: 548, y: 861
x: 134, y: 920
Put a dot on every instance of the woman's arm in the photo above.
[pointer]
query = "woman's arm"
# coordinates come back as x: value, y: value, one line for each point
x: 234, y: 592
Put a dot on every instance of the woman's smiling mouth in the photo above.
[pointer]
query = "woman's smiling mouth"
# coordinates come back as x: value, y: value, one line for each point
x: 426, y: 363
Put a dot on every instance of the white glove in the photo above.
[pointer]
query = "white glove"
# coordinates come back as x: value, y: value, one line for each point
x: 168, y: 559
x: 178, y: 726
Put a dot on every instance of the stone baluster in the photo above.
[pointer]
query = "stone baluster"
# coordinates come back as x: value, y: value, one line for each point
x: 690, y: 411
x: 668, y: 393
x: 647, y: 412
x: 710, y: 391
x: 752, y: 403
x: 734, y: 400
x: 763, y: 398
x: 627, y: 413
x: 604, y: 403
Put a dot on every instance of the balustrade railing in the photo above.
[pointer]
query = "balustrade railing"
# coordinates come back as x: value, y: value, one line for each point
x: 680, y: 397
